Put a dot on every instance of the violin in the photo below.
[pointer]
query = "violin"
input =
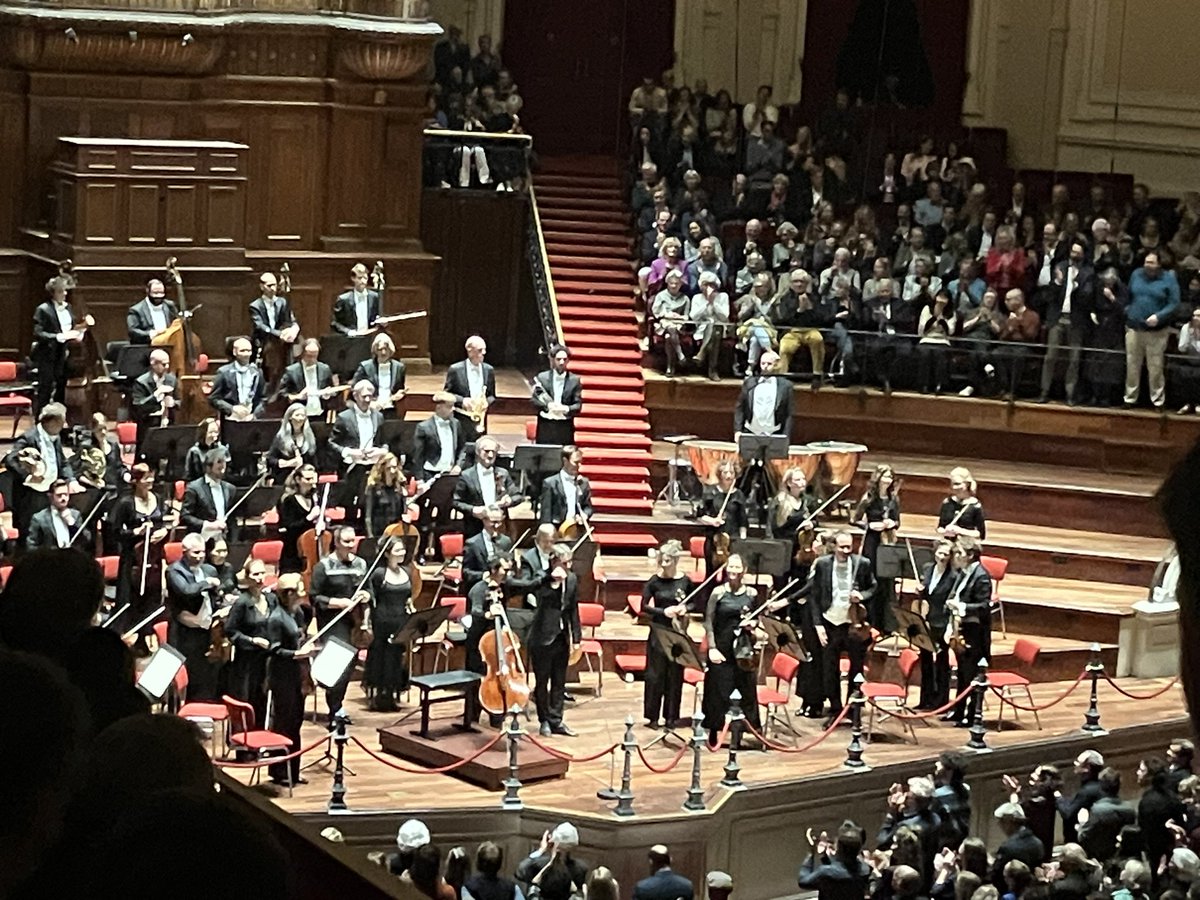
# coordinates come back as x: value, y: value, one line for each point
x: 505, y: 685
x: 722, y: 539
x: 860, y: 626
x: 888, y: 535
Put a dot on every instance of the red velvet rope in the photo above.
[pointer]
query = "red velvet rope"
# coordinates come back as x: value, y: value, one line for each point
x: 928, y: 714
x: 558, y: 754
x: 782, y: 748
x: 716, y: 748
x: 668, y: 767
x: 1120, y: 690
x: 1057, y: 700
x: 271, y: 760
x: 438, y: 771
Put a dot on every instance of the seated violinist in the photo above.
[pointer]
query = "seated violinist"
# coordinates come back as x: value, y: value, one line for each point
x: 58, y: 525
x: 151, y: 315
x: 309, y: 381
x: 567, y: 496
x: 239, y: 388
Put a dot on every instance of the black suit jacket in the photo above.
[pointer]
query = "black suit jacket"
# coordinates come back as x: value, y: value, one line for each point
x: 976, y: 595
x: 1023, y: 845
x: 938, y: 617
x: 198, y: 506
x: 819, y: 589
x: 47, y: 349
x: 369, y: 370
x: 146, y: 407
x: 139, y: 323
x: 41, y: 532
x: 557, y: 610
x: 475, y: 557
x: 458, y: 385
x: 184, y: 593
x: 30, y: 439
x: 427, y: 446
x: 572, y: 395
x: 468, y: 495
x: 345, y: 436
x: 553, y: 508
x: 744, y: 411
x: 1083, y: 297
x: 663, y: 885
x: 224, y: 395
x: 292, y: 381
x: 261, y: 326
x: 345, y: 319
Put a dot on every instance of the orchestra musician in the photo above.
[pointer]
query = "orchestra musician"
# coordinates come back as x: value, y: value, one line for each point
x: 535, y: 562
x: 334, y: 580
x: 878, y: 514
x: 135, y: 517
x: 728, y: 604
x: 484, y: 486
x: 152, y: 397
x: 53, y: 328
x: 355, y: 310
x: 934, y: 588
x: 304, y: 380
x: 271, y: 319
x: 567, y: 496
x: 838, y: 592
x: 971, y: 602
x: 491, y: 541
x: 239, y: 388
x: 473, y: 384
x: 385, y: 373
x: 246, y: 628
x: 206, y: 499
x: 151, y: 315
x: 102, y: 445
x: 357, y: 440
x: 558, y: 396
x: 482, y: 601
x: 554, y: 633
x: 285, y: 637
x: 228, y: 590
x: 765, y: 404
x: 36, y: 460
x: 722, y: 512
x: 294, y: 444
x: 385, y: 672
x: 385, y: 495
x: 961, y: 514
x: 662, y: 603
x: 191, y: 585
x: 438, y: 441
x: 208, y: 437
x: 57, y: 525
x: 298, y: 512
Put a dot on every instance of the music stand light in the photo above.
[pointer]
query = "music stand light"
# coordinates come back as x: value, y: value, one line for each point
x: 160, y: 671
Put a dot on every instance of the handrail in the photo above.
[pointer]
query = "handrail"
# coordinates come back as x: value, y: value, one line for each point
x: 476, y: 135
x: 543, y: 283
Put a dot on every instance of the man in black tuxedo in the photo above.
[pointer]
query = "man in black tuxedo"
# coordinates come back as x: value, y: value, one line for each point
x: 190, y: 583
x: 473, y: 384
x: 357, y: 309
x: 484, y: 486
x: 765, y: 404
x: 57, y: 526
x: 303, y: 381
x: 491, y: 541
x: 971, y: 602
x: 53, y: 329
x: 1068, y: 318
x: 437, y: 441
x: 567, y: 495
x: 839, y: 580
x: 355, y: 438
x: 29, y: 494
x: 151, y: 315
x: 271, y: 319
x: 239, y: 388
x: 937, y: 582
x: 553, y: 634
x: 153, y: 392
x: 663, y: 884
x: 206, y: 501
x: 557, y: 393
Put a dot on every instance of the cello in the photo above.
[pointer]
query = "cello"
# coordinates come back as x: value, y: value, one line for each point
x: 83, y: 354
x: 183, y: 346
x: 316, y: 542
x: 505, y: 685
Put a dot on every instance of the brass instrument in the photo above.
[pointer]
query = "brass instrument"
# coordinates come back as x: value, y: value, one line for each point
x: 476, y: 408
x: 94, y: 465
x: 34, y: 465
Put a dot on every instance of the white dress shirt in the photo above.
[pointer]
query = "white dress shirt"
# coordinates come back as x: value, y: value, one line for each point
x: 245, y: 383
x: 571, y: 492
x: 158, y: 316
x: 366, y: 428
x: 763, y: 404
x: 445, y: 433
x: 1067, y: 288
x: 475, y: 380
x: 66, y: 322
x: 362, y: 311
x: 1046, y: 272
x: 487, y: 484
x: 843, y: 581
x: 312, y: 399
x: 62, y: 531
x: 385, y: 381
x: 217, y: 489
x: 49, y: 457
x: 558, y: 382
x: 985, y: 244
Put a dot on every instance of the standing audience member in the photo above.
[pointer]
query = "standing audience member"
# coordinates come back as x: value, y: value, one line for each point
x: 1153, y: 300
x: 662, y: 884
x: 1099, y: 827
x: 1020, y: 843
x: 1088, y: 766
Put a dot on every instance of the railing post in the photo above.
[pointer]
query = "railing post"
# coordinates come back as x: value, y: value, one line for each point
x: 854, y: 750
x: 979, y: 687
x: 695, y: 793
x: 733, y: 769
x: 512, y: 784
x: 1095, y: 669
x: 337, y: 796
x: 624, y: 805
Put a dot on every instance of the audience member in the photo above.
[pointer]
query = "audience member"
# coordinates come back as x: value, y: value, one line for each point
x: 1100, y: 825
x: 1020, y: 843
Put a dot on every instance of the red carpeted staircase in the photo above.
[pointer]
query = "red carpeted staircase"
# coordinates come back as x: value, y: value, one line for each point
x: 585, y: 226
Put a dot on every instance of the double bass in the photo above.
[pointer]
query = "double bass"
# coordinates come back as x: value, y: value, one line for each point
x: 275, y: 353
x: 183, y: 346
x: 505, y: 685
x: 84, y: 364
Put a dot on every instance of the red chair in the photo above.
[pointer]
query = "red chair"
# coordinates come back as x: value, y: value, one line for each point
x: 887, y: 692
x: 262, y: 743
x: 452, y: 550
x: 199, y: 712
x: 10, y: 533
x: 631, y: 663
x: 4, y: 573
x: 696, y: 549
x: 784, y: 668
x: 997, y: 568
x: 591, y: 616
x: 180, y: 490
x: 127, y: 433
x: 458, y: 609
x: 160, y: 634
x: 172, y: 552
x: 14, y: 396
x: 1026, y: 653
x: 909, y: 658
x: 268, y: 552
x: 530, y: 430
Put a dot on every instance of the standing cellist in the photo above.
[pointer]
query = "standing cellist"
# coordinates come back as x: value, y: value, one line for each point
x: 482, y: 600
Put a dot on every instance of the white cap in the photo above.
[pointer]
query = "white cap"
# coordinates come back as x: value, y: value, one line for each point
x: 412, y: 834
x: 565, y: 836
x: 719, y: 879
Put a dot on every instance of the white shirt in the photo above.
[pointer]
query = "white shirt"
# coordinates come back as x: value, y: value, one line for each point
x: 487, y: 484
x: 245, y: 380
x: 217, y: 489
x: 312, y: 400
x: 66, y: 322
x: 62, y: 531
x: 445, y: 433
x: 1070, y: 286
x: 985, y: 244
x: 475, y: 379
x: 762, y: 400
x: 361, y: 311
x: 385, y: 381
x: 1046, y: 271
x: 203, y: 618
x: 843, y: 581
x: 158, y: 316
x: 366, y: 428
x: 935, y: 578
x: 571, y: 492
x: 558, y: 381
x: 49, y: 457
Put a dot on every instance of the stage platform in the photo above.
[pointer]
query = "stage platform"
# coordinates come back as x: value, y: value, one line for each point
x: 446, y: 744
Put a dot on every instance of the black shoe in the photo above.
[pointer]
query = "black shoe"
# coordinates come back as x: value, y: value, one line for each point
x: 951, y: 716
x: 564, y: 729
x: 818, y: 382
x: 1043, y: 398
x: 568, y: 698
x: 813, y: 712
x: 544, y: 730
x: 961, y: 723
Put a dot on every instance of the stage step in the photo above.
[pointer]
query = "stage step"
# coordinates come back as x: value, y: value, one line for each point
x: 607, y: 356
x: 589, y: 338
x: 575, y: 239
x: 616, y: 473
x: 602, y: 263
x: 571, y: 247
x: 578, y: 285
x: 641, y: 540
x: 595, y: 191
x: 606, y: 370
x: 579, y: 230
x: 640, y: 489
x: 592, y: 327
x: 620, y: 396
x: 588, y: 423
x: 598, y: 439
x: 615, y: 411
x: 587, y: 309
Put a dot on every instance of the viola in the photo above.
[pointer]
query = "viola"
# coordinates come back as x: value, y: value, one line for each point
x: 505, y: 685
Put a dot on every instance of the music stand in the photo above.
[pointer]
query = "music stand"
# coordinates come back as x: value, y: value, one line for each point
x: 783, y: 637
x: 437, y: 500
x: 239, y: 552
x: 583, y: 560
x: 536, y: 463
x: 766, y: 556
x: 259, y: 502
x: 160, y: 671
x: 169, y: 444
x: 133, y: 361
x: 330, y: 666
x: 344, y: 352
x: 670, y: 492
x: 914, y: 627
x: 247, y: 441
x: 891, y: 561
x: 679, y: 649
x: 759, y: 448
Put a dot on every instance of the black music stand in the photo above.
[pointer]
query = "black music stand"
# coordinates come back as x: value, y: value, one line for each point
x: 766, y: 556
x: 133, y: 361
x: 435, y: 506
x: 344, y: 352
x: 166, y: 449
x: 783, y: 637
x: 914, y: 626
x: 891, y: 561
x: 239, y: 552
x: 536, y: 463
x: 679, y: 649
x: 259, y: 502
x: 404, y: 442
x: 758, y: 448
x: 247, y: 441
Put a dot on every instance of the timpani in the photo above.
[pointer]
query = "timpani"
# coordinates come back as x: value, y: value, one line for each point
x: 800, y: 456
x: 841, y: 460
x: 705, y: 456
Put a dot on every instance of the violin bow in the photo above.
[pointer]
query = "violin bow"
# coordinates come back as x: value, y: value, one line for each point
x: 104, y: 495
x: 138, y: 627
x: 371, y: 568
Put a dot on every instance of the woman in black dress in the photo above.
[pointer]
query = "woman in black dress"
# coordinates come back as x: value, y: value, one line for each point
x: 208, y: 436
x: 722, y: 512
x: 385, y: 495
x: 136, y: 514
x: 662, y: 603
x: 293, y: 446
x: 285, y: 634
x: 878, y: 514
x: 727, y: 604
x: 246, y: 628
x: 385, y: 674
x: 218, y: 558
x: 961, y: 512
x: 298, y: 510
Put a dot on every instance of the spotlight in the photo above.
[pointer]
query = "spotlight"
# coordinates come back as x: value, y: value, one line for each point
x: 187, y: 39
x: 71, y: 35
x: 133, y: 37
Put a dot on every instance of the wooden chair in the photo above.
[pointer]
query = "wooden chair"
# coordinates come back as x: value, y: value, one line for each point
x: 1026, y: 653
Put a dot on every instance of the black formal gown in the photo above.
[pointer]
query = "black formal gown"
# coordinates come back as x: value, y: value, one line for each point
x: 126, y: 520
x: 293, y: 522
x: 383, y: 506
x: 880, y: 612
x: 385, y: 673
x: 725, y: 610
x: 246, y: 674
x: 736, y: 517
x: 664, y: 678
x: 285, y: 631
x: 972, y: 518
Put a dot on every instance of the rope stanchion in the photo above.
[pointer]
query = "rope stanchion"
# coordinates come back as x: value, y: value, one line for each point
x: 716, y: 748
x: 669, y: 766
x: 271, y: 760
x: 1120, y: 690
x: 783, y: 748
x: 337, y: 796
x: 854, y: 750
x: 624, y: 807
x: 695, y: 793
x: 1095, y: 669
x: 512, y: 784
x: 927, y: 714
x: 1057, y: 700
x: 733, y: 769
x: 978, y: 730
x: 558, y: 754
x: 438, y: 771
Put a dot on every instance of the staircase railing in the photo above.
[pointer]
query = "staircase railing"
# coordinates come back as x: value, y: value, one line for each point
x: 543, y: 283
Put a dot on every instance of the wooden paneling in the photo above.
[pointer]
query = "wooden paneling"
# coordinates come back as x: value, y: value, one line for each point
x: 143, y: 214
x: 179, y: 217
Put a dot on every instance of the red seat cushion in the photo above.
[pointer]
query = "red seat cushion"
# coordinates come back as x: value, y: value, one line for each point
x: 631, y: 662
x: 1007, y: 679
x: 590, y: 646
x: 692, y: 676
x: 770, y: 695
x: 215, y: 711
x: 882, y: 690
x: 261, y: 740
